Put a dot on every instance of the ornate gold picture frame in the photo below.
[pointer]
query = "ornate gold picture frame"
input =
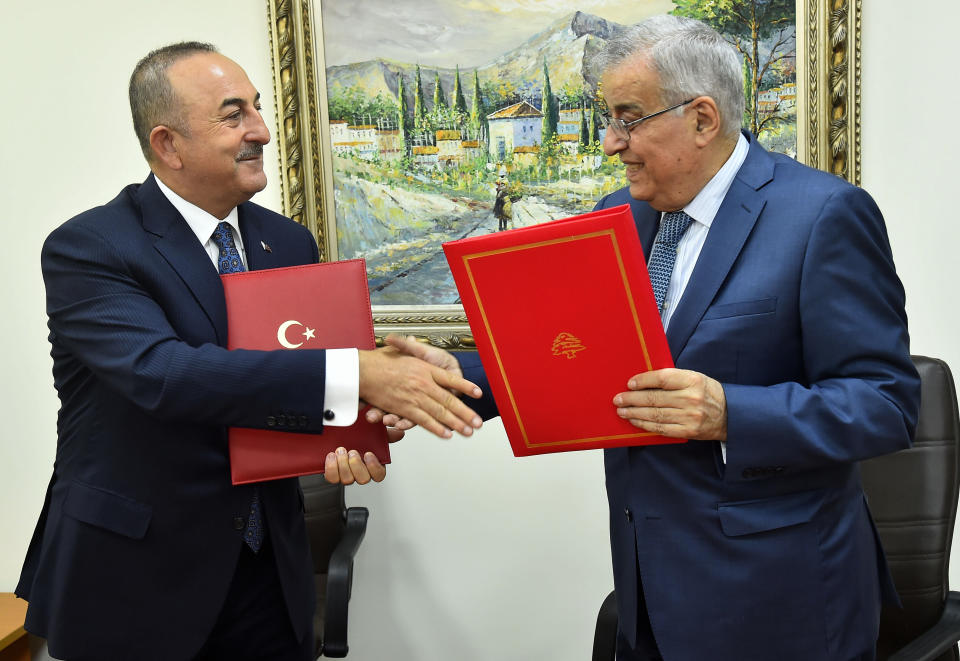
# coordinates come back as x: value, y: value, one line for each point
x: 828, y: 130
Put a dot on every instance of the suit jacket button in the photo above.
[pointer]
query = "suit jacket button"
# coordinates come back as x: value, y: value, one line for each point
x: 271, y: 421
x: 304, y: 421
x: 281, y: 420
x: 329, y: 415
x: 627, y: 513
x: 239, y: 523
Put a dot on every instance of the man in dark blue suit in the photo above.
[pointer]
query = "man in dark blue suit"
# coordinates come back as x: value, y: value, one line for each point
x: 785, y: 319
x: 144, y: 549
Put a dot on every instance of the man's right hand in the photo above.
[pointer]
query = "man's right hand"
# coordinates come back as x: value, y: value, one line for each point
x: 418, y: 391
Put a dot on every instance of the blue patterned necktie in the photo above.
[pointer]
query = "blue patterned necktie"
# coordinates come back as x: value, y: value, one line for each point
x: 228, y: 261
x: 664, y: 253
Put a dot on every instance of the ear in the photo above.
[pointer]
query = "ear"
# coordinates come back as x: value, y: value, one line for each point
x: 707, y: 117
x: 163, y: 142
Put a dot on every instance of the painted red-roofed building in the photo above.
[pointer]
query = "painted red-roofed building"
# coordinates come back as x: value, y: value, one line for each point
x: 515, y: 126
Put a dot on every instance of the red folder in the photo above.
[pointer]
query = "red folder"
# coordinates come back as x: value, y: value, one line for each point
x: 273, y: 309
x: 563, y: 315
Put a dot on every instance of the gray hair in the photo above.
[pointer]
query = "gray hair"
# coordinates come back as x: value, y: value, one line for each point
x: 153, y: 100
x: 691, y: 58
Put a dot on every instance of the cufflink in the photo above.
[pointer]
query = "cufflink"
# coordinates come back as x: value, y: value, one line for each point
x: 328, y: 415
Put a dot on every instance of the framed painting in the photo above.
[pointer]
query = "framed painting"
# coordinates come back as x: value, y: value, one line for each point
x: 407, y: 123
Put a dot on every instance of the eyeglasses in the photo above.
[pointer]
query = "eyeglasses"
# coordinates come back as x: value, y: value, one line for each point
x: 621, y: 129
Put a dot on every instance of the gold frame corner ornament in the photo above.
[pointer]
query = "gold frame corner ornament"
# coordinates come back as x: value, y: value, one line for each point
x: 828, y: 131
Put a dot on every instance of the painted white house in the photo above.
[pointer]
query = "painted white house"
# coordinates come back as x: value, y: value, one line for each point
x: 515, y: 126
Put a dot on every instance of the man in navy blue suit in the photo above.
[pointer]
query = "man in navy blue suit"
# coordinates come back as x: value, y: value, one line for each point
x: 785, y: 319
x: 144, y: 549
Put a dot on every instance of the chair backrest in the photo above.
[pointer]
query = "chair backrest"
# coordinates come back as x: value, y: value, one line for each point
x: 324, y: 510
x: 913, y: 499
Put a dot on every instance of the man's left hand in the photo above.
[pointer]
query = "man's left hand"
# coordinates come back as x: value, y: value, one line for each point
x: 347, y: 466
x: 675, y: 403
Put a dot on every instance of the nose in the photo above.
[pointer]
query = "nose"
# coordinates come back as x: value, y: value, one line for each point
x: 258, y: 131
x: 612, y: 144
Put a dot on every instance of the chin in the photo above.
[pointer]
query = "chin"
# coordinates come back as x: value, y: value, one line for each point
x: 640, y: 192
x: 254, y: 185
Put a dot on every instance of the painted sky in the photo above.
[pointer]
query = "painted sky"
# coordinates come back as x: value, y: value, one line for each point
x: 441, y: 32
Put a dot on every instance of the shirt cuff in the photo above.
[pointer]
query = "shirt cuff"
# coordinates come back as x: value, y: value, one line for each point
x: 341, y: 396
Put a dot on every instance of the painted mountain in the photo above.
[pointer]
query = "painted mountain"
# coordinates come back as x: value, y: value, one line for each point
x: 567, y: 46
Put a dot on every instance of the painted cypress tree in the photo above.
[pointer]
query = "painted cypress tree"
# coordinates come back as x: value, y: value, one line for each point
x: 439, y: 101
x: 459, y: 103
x: 584, y: 129
x: 402, y: 120
x: 593, y: 124
x: 478, y: 109
x: 551, y: 113
x: 419, y: 112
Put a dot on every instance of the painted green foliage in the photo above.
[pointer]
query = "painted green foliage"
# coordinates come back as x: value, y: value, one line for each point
x: 551, y: 113
x: 746, y: 23
x: 402, y: 121
x: 459, y: 103
x: 439, y: 101
x: 354, y: 105
x: 478, y: 109
x: 419, y: 112
x: 584, y: 130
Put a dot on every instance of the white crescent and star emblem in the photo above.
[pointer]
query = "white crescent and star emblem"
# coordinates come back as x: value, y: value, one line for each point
x: 308, y: 334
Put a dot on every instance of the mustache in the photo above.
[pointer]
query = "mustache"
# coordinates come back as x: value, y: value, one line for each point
x: 251, y: 151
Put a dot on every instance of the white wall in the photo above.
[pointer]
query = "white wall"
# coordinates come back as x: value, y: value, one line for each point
x: 470, y: 554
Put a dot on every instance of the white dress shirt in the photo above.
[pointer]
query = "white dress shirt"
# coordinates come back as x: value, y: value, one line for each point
x: 703, y: 209
x: 342, y: 381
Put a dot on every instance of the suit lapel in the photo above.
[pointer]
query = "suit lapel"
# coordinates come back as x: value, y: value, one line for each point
x: 256, y: 244
x: 179, y: 247
x: 647, y: 220
x: 734, y: 221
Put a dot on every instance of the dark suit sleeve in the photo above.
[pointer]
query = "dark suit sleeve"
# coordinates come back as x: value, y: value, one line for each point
x: 473, y: 371
x: 108, y: 317
x: 860, y: 392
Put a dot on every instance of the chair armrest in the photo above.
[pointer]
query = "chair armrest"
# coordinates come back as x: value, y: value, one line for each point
x: 937, y: 639
x: 339, y: 583
x: 605, y: 635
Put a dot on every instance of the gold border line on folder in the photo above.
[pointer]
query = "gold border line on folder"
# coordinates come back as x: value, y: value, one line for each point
x: 496, y: 352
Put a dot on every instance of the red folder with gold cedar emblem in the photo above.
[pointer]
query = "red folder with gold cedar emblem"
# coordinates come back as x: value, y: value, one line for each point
x: 318, y: 306
x: 563, y: 315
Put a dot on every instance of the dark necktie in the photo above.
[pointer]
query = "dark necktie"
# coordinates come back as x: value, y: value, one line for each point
x: 228, y: 261
x: 664, y: 253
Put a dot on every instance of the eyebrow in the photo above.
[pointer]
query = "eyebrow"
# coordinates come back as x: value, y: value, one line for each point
x: 628, y: 107
x: 237, y: 101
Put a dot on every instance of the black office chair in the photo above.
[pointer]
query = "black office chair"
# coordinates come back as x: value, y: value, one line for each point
x: 913, y: 499
x: 335, y: 534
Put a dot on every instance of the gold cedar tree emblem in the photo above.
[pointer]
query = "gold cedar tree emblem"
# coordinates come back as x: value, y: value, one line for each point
x: 567, y: 345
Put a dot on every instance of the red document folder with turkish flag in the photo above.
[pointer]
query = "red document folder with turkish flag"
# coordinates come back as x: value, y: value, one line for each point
x: 563, y: 315
x: 317, y: 306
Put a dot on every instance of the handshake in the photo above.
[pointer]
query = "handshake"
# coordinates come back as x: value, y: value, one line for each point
x: 406, y: 383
